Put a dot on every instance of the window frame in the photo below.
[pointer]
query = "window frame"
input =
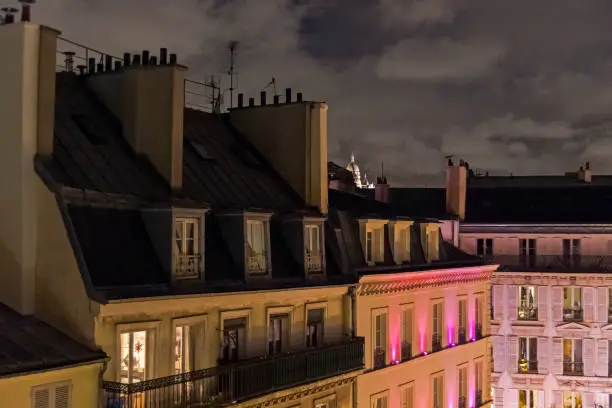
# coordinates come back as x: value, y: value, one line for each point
x: 152, y: 329
x: 407, y: 308
x: 264, y: 220
x: 487, y: 245
x: 280, y: 311
x: 437, y: 303
x: 190, y: 321
x: 307, y: 233
x: 403, y: 389
x: 315, y: 306
x: 329, y: 400
x: 367, y: 227
x: 374, y: 314
x: 432, y: 393
x: 236, y: 314
x: 197, y: 220
x: 383, y: 395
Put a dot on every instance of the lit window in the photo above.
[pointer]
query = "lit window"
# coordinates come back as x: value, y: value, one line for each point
x: 572, y: 304
x: 436, y: 336
x: 572, y: 357
x: 404, y: 244
x: 312, y: 244
x: 187, y: 247
x: 278, y: 334
x: 380, y: 340
x: 528, y: 355
x: 375, y: 245
x: 257, y: 256
x: 463, y: 387
x: 572, y: 399
x: 528, y: 399
x: 133, y: 364
x: 407, y: 315
x: 528, y: 306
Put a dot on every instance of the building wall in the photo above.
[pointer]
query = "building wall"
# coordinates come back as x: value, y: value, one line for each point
x: 420, y: 369
x: 84, y: 380
x: 550, y: 329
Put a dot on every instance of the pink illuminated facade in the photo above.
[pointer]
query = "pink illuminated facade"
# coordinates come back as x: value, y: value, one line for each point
x: 425, y: 338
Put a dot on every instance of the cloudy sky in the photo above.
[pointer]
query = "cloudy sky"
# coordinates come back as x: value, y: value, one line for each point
x: 522, y: 86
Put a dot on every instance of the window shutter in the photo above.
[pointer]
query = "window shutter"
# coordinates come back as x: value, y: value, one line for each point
x: 557, y: 356
x: 41, y: 398
x: 511, y: 399
x: 512, y: 295
x: 513, y: 353
x: 588, y: 354
x: 542, y: 303
x: 62, y: 396
x: 541, y: 399
x: 602, y: 358
x: 557, y: 303
x: 498, y: 294
x: 602, y: 305
x: 499, y: 355
x: 542, y: 355
x: 588, y: 398
x: 588, y: 294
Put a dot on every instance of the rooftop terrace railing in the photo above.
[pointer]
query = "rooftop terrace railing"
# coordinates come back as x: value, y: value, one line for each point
x: 80, y: 59
x: 553, y: 263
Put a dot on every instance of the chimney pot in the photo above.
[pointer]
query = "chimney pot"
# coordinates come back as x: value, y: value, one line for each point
x: 300, y: 96
x: 251, y: 102
x: 163, y: 56
x: 262, y: 98
x: 276, y: 99
x: 117, y: 65
x: 145, y: 57
x: 127, y: 57
x: 136, y: 59
x: 153, y: 60
x: 81, y: 69
x: 92, y: 65
x: 100, y: 67
x: 240, y: 100
x: 26, y: 9
x: 108, y: 63
x: 588, y: 165
x: 288, y: 95
x: 173, y: 58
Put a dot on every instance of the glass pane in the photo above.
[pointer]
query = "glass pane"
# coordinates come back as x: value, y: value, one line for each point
x: 139, y: 356
x: 124, y: 376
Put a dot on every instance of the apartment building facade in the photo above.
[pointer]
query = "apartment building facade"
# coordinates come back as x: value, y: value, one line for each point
x: 419, y: 303
x: 166, y: 237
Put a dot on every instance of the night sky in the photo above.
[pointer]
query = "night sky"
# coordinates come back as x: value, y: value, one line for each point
x: 522, y: 86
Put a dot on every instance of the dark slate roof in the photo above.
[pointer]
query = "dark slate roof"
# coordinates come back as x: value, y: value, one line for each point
x: 346, y: 248
x: 419, y: 202
x: 567, y: 205
x: 28, y: 345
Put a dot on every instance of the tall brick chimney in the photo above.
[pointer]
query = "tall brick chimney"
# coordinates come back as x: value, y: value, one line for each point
x: 149, y: 100
x: 456, y: 189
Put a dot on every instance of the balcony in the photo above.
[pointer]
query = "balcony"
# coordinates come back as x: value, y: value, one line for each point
x: 406, y: 350
x: 527, y: 313
x: 478, y: 398
x: 224, y: 385
x: 527, y: 366
x: 462, y: 402
x: 380, y: 357
x: 436, y: 342
x: 461, y: 336
x: 257, y: 264
x: 313, y: 263
x: 573, y: 314
x: 552, y: 263
x: 573, y: 368
x: 187, y: 266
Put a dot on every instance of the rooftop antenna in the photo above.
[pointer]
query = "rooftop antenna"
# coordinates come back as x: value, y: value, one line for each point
x: 232, y: 49
x: 272, y: 84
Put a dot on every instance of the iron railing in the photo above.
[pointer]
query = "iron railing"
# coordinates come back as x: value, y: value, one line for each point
x: 313, y: 263
x: 552, y: 263
x: 436, y: 342
x: 380, y: 357
x: 406, y: 350
x: 574, y: 314
x: 528, y: 313
x: 527, y: 366
x: 74, y: 57
x: 462, y: 402
x: 461, y: 335
x: 257, y: 263
x: 227, y: 384
x: 478, y: 398
x: 573, y: 368
x: 187, y: 266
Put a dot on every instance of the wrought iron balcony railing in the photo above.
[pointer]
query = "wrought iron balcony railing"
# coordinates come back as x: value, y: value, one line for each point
x: 380, y: 357
x: 257, y: 263
x: 187, y: 266
x: 226, y: 384
x: 462, y: 402
x: 313, y: 263
x: 406, y: 350
x: 552, y: 263
x: 573, y: 368
x: 461, y: 335
x: 478, y: 398
x: 436, y: 342
x: 478, y: 331
x: 573, y: 314
x: 527, y: 313
x: 527, y: 366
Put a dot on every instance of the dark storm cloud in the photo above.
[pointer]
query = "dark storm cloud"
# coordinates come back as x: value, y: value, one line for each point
x: 505, y: 84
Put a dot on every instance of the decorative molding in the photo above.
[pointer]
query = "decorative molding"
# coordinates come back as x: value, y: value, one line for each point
x: 551, y: 278
x: 300, y: 392
x: 429, y: 280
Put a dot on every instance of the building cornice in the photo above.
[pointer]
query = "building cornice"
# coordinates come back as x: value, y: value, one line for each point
x: 551, y: 278
x: 402, y: 282
x: 497, y: 228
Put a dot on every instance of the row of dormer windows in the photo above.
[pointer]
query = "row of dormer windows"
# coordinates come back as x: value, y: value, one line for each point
x: 189, y: 248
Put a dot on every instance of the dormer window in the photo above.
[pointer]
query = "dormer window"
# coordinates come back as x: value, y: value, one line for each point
x: 257, y: 247
x: 187, y: 247
x: 430, y: 241
x: 400, y: 236
x: 312, y: 247
x: 373, y: 240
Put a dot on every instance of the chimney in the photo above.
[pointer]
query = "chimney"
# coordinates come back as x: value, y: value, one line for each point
x: 240, y: 100
x: 27, y: 97
x: 26, y: 9
x: 381, y: 192
x: 587, y: 173
x: 456, y: 189
x: 149, y: 100
x: 262, y: 97
x: 293, y: 138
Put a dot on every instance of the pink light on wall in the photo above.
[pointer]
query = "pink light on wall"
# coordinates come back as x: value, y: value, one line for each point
x: 450, y: 334
x: 471, y: 320
x: 422, y: 322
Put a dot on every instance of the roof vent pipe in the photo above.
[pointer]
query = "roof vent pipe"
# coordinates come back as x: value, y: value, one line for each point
x: 145, y: 57
x: 136, y: 59
x: 288, y: 95
x: 117, y: 65
x: 262, y: 98
x: 240, y: 100
x: 108, y: 63
x: 276, y: 99
x: 91, y: 65
x: 126, y: 59
x: 251, y: 102
x: 26, y: 9
x: 299, y: 97
x: 153, y: 60
x: 163, y: 56
x: 173, y: 58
